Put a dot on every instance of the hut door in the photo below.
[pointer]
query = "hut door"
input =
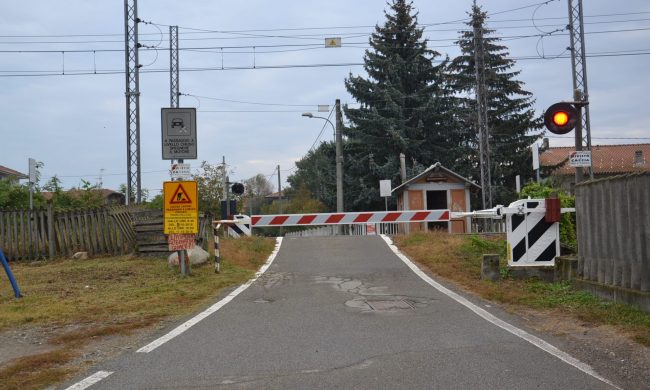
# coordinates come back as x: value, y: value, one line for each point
x: 437, y: 200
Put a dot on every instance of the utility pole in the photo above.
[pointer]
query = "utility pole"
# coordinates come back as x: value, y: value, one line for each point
x: 339, y: 158
x: 481, y: 108
x: 131, y: 46
x: 580, y: 89
x: 279, y: 192
x: 174, y: 81
x: 225, y: 187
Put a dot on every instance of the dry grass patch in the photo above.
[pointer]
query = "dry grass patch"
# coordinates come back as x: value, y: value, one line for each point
x: 458, y: 259
x: 36, y: 371
x: 109, y: 296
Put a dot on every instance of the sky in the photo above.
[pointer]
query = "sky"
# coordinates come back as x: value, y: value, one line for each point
x: 251, y: 68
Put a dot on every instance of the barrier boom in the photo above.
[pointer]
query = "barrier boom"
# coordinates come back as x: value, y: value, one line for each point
x: 350, y: 218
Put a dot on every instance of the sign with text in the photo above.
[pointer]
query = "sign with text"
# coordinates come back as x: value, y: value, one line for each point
x: 580, y: 158
x: 179, y: 242
x: 180, y: 171
x: 178, y: 133
x: 181, y: 209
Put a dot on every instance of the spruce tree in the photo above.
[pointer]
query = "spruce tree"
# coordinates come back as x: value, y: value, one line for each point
x: 512, y: 123
x: 404, y: 108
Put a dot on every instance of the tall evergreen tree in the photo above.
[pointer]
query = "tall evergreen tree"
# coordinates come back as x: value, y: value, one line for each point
x: 404, y: 108
x: 512, y: 122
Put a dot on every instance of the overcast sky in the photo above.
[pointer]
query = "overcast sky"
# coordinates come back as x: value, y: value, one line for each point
x: 76, y: 125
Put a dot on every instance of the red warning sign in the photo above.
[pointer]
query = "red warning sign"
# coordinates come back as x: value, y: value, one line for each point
x: 180, y: 196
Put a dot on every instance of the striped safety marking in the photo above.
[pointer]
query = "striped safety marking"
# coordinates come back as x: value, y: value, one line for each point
x: 238, y: 230
x: 532, y: 241
x: 349, y: 218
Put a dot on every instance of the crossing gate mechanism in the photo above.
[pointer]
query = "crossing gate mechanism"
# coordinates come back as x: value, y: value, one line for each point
x: 239, y: 226
x: 532, y: 241
x: 350, y: 218
x: 242, y: 225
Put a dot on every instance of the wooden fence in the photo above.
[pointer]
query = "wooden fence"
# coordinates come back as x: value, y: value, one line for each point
x: 46, y: 233
x: 150, y: 239
x: 613, y: 218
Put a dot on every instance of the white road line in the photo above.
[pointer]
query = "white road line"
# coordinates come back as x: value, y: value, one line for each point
x: 91, y: 380
x: 536, y: 341
x: 194, y: 320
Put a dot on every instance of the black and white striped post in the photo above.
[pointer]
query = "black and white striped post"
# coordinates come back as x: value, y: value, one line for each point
x: 217, y: 249
x: 532, y: 241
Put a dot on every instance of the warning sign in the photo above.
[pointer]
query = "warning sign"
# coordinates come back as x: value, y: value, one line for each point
x: 179, y: 242
x: 181, y: 210
x: 333, y: 42
x: 180, y: 196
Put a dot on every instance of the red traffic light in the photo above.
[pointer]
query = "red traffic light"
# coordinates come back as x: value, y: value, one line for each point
x: 561, y: 118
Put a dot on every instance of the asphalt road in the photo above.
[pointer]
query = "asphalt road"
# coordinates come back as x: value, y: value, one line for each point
x: 343, y: 313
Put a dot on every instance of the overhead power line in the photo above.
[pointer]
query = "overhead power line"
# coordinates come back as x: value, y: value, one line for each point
x: 86, y: 72
x: 249, y: 102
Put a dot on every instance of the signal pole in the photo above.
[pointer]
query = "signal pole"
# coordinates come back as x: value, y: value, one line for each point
x: 580, y: 89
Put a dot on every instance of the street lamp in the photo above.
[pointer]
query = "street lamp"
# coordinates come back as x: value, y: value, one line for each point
x: 339, y: 161
x: 310, y: 115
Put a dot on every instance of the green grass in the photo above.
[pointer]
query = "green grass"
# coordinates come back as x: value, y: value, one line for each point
x: 109, y: 296
x: 458, y: 258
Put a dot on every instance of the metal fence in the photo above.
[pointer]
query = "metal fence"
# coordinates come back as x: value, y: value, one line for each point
x: 613, y: 224
x: 346, y: 230
x: 46, y: 233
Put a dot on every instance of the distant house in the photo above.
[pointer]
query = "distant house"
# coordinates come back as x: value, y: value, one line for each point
x: 607, y: 160
x: 11, y: 175
x: 437, y: 188
x: 109, y: 197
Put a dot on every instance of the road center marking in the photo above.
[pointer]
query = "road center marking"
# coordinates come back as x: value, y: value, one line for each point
x: 194, y: 320
x: 536, y: 341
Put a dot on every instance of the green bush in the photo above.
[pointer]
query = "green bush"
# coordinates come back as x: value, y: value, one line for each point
x: 567, y: 223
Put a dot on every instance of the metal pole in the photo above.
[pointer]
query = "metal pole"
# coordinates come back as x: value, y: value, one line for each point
x: 579, y: 76
x: 181, y: 261
x: 280, y: 197
x: 279, y: 192
x: 174, y: 81
x: 227, y: 197
x: 339, y: 158
x: 578, y: 144
x: 132, y: 72
x: 481, y: 108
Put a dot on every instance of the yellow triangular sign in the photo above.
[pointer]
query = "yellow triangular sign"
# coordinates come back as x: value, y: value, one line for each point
x: 180, y: 196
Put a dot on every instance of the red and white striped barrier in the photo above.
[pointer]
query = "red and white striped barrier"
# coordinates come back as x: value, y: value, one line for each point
x: 350, y: 218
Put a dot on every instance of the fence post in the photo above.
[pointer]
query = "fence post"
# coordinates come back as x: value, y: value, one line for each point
x: 50, y: 230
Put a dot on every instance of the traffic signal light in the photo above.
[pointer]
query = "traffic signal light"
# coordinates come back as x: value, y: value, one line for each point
x: 237, y: 188
x: 561, y: 118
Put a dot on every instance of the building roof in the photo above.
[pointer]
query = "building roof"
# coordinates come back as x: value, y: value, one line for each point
x: 437, y: 167
x: 276, y: 195
x: 4, y: 171
x: 606, y: 159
